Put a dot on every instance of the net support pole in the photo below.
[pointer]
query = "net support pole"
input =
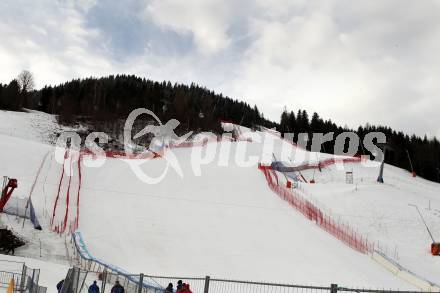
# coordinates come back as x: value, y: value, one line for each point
x: 206, y: 289
x: 141, y: 283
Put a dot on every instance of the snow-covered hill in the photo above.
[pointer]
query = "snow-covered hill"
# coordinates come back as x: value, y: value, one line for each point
x: 385, y: 212
x: 225, y: 222
x: 31, y: 125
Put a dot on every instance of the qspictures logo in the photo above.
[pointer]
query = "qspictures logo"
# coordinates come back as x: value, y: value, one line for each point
x: 207, y: 148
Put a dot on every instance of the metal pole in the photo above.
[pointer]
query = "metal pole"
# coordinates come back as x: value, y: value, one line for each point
x: 141, y: 283
x: 77, y: 285
x: 104, y: 277
x: 429, y: 231
x: 23, y: 277
x: 410, y: 162
x: 206, y: 290
x: 334, y: 288
x: 83, y: 280
x: 33, y: 282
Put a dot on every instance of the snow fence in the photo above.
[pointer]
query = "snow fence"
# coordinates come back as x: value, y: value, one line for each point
x: 22, y: 208
x: 72, y: 224
x: 339, y: 230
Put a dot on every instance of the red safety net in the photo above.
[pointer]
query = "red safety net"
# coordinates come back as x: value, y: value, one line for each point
x: 72, y: 224
x: 341, y: 231
x: 59, y: 189
x: 76, y: 222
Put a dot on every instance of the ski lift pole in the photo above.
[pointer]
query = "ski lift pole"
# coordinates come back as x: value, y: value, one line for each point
x: 423, y: 220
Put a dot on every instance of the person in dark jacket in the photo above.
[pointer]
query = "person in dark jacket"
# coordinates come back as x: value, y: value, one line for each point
x: 179, y: 286
x: 169, y: 289
x: 94, y: 288
x: 60, y: 285
x: 117, y: 288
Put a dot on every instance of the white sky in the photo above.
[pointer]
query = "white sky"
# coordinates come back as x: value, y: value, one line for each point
x: 353, y: 62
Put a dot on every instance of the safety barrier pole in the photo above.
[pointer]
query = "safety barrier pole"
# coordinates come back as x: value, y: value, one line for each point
x: 104, y: 280
x: 206, y: 289
x: 141, y: 283
x: 23, y: 278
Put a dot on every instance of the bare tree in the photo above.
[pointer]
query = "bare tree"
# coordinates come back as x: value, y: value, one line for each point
x: 26, y: 81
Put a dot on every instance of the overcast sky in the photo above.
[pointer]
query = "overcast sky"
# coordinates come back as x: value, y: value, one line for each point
x: 352, y: 61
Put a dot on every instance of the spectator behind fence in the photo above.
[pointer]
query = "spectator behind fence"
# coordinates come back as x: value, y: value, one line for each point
x: 169, y: 289
x: 179, y: 286
x: 94, y: 288
x: 185, y: 288
x: 60, y: 285
x: 117, y: 288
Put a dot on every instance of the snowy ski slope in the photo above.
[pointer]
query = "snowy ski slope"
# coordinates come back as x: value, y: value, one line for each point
x: 383, y: 212
x: 226, y: 222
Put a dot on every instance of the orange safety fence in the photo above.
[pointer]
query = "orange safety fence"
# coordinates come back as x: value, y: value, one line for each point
x: 151, y: 154
x: 75, y: 223
x: 59, y: 189
x: 66, y: 213
x: 61, y: 227
x: 339, y: 230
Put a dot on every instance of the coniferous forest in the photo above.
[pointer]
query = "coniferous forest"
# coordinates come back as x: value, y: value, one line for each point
x: 102, y: 102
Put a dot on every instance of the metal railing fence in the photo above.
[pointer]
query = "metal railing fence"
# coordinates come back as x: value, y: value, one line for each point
x: 25, y: 278
x: 214, y: 285
x: 144, y: 283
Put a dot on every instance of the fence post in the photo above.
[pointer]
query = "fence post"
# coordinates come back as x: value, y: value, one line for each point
x: 76, y: 274
x: 206, y: 290
x: 141, y: 283
x: 334, y: 288
x: 23, y: 278
x: 33, y: 283
x: 104, y: 280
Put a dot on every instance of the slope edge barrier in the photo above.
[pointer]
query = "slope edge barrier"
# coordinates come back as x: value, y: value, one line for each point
x: 403, y: 273
x: 59, y: 190
x: 343, y: 232
x: 32, y: 215
x: 66, y: 213
x: 321, y: 164
x: 23, y: 208
x: 73, y: 225
x: 151, y: 154
x: 83, y: 253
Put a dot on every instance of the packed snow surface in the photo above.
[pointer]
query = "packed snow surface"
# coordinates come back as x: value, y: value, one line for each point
x: 221, y: 220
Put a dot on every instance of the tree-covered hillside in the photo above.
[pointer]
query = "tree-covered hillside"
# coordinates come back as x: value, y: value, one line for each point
x: 104, y: 103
